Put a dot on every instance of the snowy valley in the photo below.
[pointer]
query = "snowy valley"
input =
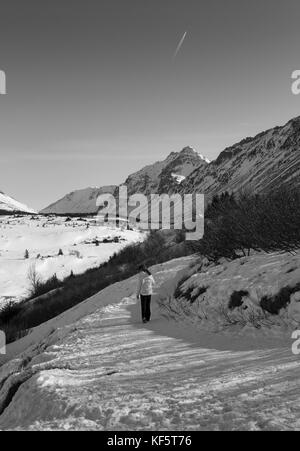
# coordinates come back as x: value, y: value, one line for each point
x: 55, y: 245
x: 218, y: 353
x: 150, y: 219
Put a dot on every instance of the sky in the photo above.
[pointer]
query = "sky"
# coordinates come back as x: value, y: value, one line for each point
x: 94, y: 92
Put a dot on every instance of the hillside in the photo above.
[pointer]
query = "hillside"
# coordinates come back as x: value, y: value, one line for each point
x: 259, y: 164
x: 78, y: 202
x: 9, y: 205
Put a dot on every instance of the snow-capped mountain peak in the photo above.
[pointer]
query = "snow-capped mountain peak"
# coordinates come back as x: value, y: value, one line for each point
x: 192, y: 150
x: 158, y: 178
x: 204, y: 158
x: 11, y: 205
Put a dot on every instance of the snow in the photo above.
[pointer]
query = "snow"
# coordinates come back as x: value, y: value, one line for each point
x: 202, y: 156
x: 97, y: 367
x: 45, y: 236
x: 260, y: 275
x: 294, y: 309
x: 178, y: 178
x: 9, y: 204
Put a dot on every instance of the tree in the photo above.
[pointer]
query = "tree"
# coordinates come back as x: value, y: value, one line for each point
x: 34, y: 279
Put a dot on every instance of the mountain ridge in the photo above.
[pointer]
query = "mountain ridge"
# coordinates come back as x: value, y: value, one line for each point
x: 260, y: 163
x: 10, y: 205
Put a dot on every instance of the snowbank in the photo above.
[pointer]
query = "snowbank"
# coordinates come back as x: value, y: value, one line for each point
x: 228, y: 296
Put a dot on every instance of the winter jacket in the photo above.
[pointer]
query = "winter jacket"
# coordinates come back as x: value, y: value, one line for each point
x: 145, y: 284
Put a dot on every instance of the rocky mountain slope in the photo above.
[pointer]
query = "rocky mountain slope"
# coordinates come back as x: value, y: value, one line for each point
x: 164, y: 176
x: 9, y: 205
x: 261, y: 163
x: 78, y: 202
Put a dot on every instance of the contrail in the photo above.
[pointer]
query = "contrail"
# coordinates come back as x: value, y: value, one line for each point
x: 180, y: 44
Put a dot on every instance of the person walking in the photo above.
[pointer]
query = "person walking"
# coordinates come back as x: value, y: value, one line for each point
x: 145, y: 286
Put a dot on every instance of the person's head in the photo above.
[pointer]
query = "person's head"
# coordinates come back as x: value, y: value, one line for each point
x: 143, y: 268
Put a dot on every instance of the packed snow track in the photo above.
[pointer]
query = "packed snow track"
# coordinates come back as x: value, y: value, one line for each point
x: 97, y: 367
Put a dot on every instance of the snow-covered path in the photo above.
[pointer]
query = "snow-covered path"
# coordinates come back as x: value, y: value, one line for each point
x: 108, y: 371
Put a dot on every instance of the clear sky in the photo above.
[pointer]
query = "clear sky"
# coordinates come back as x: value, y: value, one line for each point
x: 94, y: 93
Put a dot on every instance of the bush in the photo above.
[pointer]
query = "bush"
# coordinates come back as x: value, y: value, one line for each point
x: 157, y: 248
x: 9, y: 311
x: 39, y: 287
x: 34, y: 279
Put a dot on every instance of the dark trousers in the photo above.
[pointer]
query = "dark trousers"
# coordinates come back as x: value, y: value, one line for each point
x: 146, y: 312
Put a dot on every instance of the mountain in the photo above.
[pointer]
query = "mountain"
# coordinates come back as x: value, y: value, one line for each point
x: 160, y: 177
x: 9, y: 205
x: 78, y: 202
x: 164, y: 176
x: 262, y: 163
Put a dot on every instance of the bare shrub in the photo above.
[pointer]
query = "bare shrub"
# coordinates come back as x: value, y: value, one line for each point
x: 34, y: 279
x: 157, y: 248
x: 236, y: 225
x: 38, y: 287
x: 9, y: 311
